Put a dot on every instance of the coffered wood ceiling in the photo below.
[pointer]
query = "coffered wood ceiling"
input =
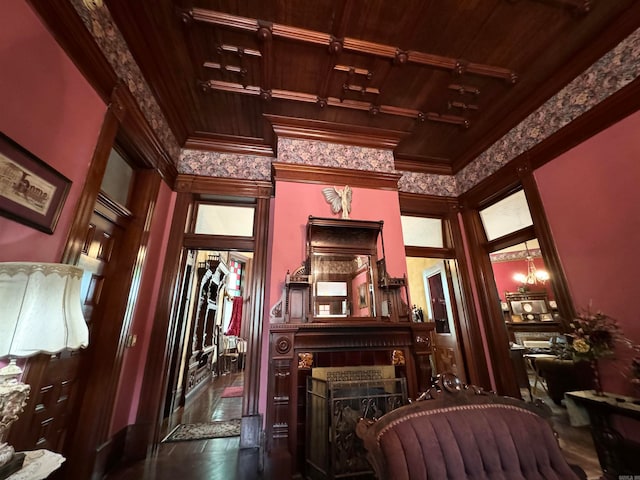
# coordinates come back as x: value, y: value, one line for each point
x: 438, y: 81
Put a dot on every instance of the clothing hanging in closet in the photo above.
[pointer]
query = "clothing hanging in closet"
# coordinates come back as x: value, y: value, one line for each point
x: 236, y: 317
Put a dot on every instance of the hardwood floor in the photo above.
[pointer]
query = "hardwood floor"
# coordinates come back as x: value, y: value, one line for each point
x: 221, y: 458
x: 576, y: 442
x: 217, y: 458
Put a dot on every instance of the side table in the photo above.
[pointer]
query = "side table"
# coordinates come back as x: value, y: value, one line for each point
x: 38, y: 464
x: 618, y: 454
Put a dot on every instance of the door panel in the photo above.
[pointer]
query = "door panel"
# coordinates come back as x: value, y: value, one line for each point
x: 446, y: 350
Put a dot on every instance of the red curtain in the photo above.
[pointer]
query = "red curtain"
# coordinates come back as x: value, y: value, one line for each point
x: 236, y: 317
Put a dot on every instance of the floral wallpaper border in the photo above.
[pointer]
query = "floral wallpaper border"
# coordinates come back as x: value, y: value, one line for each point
x: 104, y: 31
x: 610, y: 73
x: 229, y: 165
x: 613, y: 71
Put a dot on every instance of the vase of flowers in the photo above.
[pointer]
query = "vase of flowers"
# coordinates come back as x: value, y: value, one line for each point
x: 592, y: 336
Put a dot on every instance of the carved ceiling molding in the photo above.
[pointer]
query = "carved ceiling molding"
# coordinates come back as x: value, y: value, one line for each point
x: 267, y: 30
x: 605, y: 77
x: 373, y: 108
x: 455, y: 65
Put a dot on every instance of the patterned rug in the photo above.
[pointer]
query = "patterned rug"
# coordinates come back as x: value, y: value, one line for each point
x: 201, y: 431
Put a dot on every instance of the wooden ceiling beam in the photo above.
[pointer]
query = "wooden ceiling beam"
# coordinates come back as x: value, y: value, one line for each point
x: 334, y: 102
x: 342, y: 15
x: 365, y: 47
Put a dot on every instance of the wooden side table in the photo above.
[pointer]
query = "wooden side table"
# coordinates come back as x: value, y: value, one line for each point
x: 38, y: 464
x: 618, y: 455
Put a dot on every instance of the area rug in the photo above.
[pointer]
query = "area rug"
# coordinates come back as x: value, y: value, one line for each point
x: 202, y: 431
x: 232, y: 392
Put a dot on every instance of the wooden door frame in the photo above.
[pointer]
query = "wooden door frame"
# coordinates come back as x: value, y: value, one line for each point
x: 89, y: 456
x: 512, y: 177
x: 467, y: 322
x: 155, y: 382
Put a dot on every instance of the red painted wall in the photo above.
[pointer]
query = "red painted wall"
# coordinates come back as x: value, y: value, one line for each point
x: 592, y: 201
x: 293, y: 204
x: 48, y: 107
x: 128, y: 396
x: 503, y: 272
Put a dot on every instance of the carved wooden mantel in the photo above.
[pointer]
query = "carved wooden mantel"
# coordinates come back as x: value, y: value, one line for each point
x: 297, y: 347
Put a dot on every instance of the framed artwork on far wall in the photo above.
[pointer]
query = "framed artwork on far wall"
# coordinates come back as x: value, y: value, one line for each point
x: 31, y: 192
x: 363, y: 296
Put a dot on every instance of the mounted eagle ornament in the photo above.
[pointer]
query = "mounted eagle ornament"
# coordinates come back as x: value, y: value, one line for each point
x: 340, y: 200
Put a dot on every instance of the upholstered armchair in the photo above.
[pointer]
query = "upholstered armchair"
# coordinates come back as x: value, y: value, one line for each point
x: 460, y: 432
x: 563, y: 376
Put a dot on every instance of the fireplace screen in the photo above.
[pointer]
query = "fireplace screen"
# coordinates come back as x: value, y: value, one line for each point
x: 335, y: 403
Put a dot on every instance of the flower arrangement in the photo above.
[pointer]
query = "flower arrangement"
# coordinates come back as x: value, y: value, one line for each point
x: 593, y: 336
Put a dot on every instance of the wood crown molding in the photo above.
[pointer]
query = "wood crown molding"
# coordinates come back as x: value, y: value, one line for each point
x: 228, y: 144
x: 423, y: 205
x: 423, y: 164
x: 293, y: 172
x: 223, y: 186
x: 335, y: 132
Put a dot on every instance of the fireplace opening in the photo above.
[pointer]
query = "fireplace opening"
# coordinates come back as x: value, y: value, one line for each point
x: 336, y: 398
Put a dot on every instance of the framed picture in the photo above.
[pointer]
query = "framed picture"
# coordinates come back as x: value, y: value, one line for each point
x: 31, y: 192
x: 362, y: 296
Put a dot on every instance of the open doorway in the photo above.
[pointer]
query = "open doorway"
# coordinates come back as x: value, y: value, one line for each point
x: 434, y: 297
x: 208, y: 371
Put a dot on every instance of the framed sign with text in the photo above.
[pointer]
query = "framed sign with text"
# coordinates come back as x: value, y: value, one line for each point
x: 31, y: 192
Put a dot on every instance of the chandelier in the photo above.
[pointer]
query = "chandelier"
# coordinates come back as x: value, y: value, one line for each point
x: 533, y: 276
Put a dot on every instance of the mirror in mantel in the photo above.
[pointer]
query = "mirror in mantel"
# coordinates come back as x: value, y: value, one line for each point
x: 342, y: 285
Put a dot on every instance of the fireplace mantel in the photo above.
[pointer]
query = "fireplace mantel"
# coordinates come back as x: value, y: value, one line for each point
x: 295, y: 348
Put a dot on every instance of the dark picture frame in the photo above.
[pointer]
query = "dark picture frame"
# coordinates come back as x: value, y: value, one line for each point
x: 363, y: 296
x: 31, y: 192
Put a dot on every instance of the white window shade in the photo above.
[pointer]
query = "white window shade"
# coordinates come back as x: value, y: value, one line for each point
x: 225, y: 220
x: 422, y: 232
x: 506, y: 216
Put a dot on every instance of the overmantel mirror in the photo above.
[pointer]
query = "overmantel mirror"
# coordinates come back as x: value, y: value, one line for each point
x: 344, y: 277
x: 342, y: 258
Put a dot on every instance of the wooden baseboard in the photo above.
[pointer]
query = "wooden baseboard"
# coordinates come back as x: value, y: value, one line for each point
x: 251, y: 435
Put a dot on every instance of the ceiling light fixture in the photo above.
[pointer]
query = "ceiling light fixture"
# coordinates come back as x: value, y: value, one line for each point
x: 533, y: 276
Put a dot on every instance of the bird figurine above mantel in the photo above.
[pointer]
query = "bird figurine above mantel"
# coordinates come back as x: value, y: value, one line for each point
x: 340, y: 200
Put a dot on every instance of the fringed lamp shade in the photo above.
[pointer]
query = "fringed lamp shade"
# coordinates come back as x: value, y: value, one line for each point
x: 41, y: 309
x: 40, y: 312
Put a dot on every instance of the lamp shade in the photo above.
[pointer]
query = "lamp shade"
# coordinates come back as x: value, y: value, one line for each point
x: 40, y: 309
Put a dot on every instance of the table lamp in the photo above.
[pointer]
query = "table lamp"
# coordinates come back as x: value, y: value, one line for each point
x: 40, y: 312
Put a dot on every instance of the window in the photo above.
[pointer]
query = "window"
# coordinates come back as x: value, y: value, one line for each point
x: 506, y: 216
x: 224, y: 220
x: 422, y: 232
x: 117, y: 179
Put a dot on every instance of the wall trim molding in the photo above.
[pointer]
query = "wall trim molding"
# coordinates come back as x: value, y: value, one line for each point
x: 292, y: 172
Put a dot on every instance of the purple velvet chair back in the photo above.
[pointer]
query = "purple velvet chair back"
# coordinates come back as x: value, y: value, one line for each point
x: 460, y: 433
